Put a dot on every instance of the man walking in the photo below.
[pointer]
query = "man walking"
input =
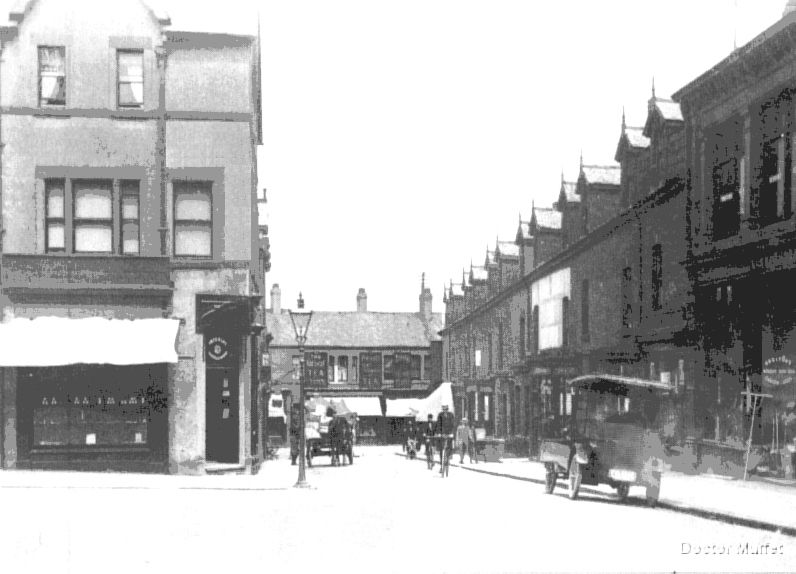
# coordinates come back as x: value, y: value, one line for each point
x: 463, y: 440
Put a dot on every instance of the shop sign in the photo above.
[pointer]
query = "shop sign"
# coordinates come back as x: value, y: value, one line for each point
x: 316, y: 367
x: 370, y: 370
x: 218, y: 350
x: 778, y: 371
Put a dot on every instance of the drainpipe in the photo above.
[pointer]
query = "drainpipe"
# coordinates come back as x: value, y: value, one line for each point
x: 160, y: 146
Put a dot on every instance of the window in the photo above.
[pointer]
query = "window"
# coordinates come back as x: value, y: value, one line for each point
x: 657, y: 275
x: 427, y: 367
x: 627, y: 298
x: 331, y: 369
x: 54, y: 229
x: 584, y: 311
x: 342, y: 369
x: 193, y: 222
x: 93, y: 216
x: 52, y: 76
x: 489, y: 342
x: 130, y: 235
x: 775, y: 130
x: 535, y: 320
x: 416, y: 367
x: 500, y: 347
x: 388, y: 374
x: 354, y: 369
x: 522, y: 336
x: 130, y: 78
x: 564, y: 321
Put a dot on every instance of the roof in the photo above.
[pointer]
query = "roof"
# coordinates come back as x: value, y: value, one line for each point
x: 478, y: 274
x: 457, y: 290
x: 636, y: 137
x: 615, y: 383
x: 357, y: 329
x: 490, y: 258
x: 507, y: 249
x: 569, y: 191
x: 547, y: 218
x: 524, y: 230
x: 601, y: 174
x: 669, y: 110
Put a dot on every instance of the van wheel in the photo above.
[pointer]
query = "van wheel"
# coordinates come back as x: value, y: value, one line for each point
x: 622, y: 491
x: 575, y: 477
x: 550, y: 478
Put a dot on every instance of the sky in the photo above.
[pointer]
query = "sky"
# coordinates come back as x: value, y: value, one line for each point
x: 404, y: 137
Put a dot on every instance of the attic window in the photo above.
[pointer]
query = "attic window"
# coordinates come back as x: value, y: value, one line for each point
x: 52, y: 76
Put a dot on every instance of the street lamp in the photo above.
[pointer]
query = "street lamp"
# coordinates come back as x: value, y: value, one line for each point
x: 301, y: 324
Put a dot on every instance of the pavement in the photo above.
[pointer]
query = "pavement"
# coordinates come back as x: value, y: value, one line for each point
x: 756, y: 503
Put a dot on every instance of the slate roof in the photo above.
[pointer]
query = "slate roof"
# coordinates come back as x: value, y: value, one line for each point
x: 569, y: 189
x: 602, y: 174
x: 547, y: 218
x: 507, y: 249
x: 357, y: 329
x: 478, y: 274
x: 669, y: 110
x: 636, y: 137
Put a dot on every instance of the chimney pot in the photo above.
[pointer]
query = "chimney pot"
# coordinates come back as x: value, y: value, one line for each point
x: 362, y: 301
x: 276, y: 299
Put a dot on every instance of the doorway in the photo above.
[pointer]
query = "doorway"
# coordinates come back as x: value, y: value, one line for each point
x: 222, y: 415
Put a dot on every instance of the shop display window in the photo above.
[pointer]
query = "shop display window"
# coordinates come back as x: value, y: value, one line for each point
x: 92, y: 406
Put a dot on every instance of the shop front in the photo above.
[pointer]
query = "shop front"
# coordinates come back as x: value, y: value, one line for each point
x: 86, y: 394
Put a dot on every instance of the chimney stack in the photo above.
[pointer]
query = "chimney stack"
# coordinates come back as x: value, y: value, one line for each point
x: 362, y: 301
x: 276, y: 299
x: 425, y: 300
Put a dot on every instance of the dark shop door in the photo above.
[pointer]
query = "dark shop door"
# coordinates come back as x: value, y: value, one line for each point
x: 221, y: 434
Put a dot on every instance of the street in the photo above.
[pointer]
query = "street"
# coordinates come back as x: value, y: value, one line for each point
x: 383, y: 514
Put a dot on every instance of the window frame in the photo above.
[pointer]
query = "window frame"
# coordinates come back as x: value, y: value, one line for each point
x: 123, y: 194
x: 50, y: 220
x: 78, y: 222
x: 40, y: 75
x: 200, y: 223
x: 128, y: 51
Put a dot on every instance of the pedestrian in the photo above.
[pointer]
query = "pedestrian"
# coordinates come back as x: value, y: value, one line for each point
x: 471, y: 436
x: 462, y: 439
x: 473, y: 444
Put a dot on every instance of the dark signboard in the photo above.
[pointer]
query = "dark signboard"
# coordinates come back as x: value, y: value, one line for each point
x: 228, y: 312
x: 370, y: 370
x: 402, y: 370
x: 316, y: 367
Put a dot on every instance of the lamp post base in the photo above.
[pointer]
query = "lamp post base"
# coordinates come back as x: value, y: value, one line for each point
x: 302, y: 484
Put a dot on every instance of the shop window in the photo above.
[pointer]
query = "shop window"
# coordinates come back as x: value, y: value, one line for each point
x: 55, y: 222
x: 342, y: 369
x: 93, y: 216
x: 52, y: 76
x: 130, y: 78
x: 131, y: 233
x: 193, y: 221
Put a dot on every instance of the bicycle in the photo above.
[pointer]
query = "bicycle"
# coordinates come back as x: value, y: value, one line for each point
x: 446, y: 448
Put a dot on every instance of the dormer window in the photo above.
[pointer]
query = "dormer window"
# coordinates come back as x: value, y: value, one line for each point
x: 52, y: 76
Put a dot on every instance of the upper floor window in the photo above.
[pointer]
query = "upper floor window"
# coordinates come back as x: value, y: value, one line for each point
x: 130, y: 231
x: 427, y: 367
x: 416, y: 367
x: 522, y: 336
x: 657, y: 275
x: 81, y: 217
x: 331, y: 369
x: 775, y: 130
x: 584, y: 310
x: 627, y: 297
x: 388, y: 367
x: 564, y: 322
x: 535, y: 321
x: 354, y: 369
x: 52, y: 76
x: 130, y: 78
x: 193, y: 221
x: 342, y: 369
x: 500, y: 347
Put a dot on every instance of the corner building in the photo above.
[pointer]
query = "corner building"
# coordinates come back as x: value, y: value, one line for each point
x: 131, y: 269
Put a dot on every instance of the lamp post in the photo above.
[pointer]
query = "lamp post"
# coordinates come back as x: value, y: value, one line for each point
x: 301, y: 323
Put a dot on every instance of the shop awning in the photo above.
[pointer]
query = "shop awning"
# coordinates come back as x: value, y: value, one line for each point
x: 364, y: 406
x: 55, y: 341
x: 432, y: 404
x: 403, y: 407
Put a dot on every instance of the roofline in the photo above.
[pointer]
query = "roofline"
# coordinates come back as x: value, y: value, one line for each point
x: 583, y: 380
x: 208, y: 39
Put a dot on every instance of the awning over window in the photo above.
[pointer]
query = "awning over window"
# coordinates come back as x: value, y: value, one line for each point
x: 403, y: 407
x: 55, y: 341
x: 364, y: 406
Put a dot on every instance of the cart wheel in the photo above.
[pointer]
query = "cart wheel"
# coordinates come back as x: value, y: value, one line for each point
x: 575, y: 477
x: 654, y: 490
x: 622, y: 491
x: 550, y: 478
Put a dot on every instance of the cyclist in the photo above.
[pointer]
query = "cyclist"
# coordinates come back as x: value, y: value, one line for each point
x: 429, y: 438
x: 445, y: 427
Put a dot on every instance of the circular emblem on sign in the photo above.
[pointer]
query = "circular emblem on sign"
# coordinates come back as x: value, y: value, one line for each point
x: 217, y: 348
x: 778, y: 371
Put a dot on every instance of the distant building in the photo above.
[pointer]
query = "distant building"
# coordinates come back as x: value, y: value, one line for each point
x: 365, y: 357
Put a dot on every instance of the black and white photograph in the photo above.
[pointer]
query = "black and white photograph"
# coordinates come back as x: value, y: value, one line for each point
x: 368, y: 286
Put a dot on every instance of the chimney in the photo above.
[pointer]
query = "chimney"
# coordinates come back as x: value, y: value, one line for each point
x: 425, y: 300
x: 362, y: 301
x: 276, y: 299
